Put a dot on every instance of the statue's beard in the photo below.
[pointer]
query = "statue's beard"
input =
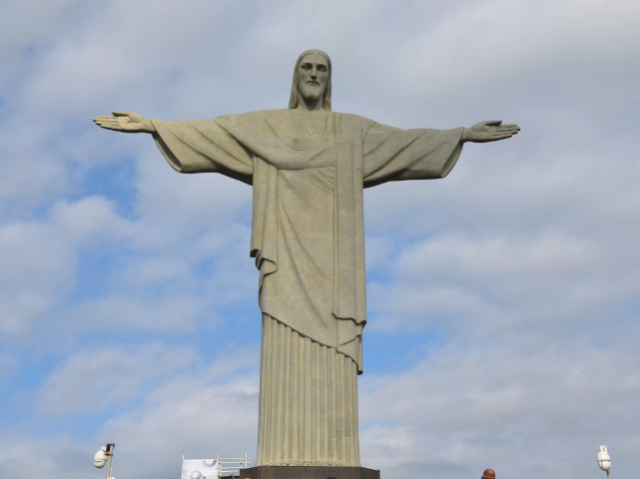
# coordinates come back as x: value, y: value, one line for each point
x: 310, y: 92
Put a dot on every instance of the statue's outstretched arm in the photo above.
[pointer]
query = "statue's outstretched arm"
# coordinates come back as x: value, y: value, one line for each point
x: 486, y: 131
x: 125, y: 121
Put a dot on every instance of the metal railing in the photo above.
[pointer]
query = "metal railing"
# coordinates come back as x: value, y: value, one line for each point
x: 229, y: 466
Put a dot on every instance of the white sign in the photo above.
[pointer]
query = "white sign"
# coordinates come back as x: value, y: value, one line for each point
x: 200, y: 469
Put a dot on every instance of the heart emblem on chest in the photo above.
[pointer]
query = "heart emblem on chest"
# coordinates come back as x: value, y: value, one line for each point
x: 311, y: 131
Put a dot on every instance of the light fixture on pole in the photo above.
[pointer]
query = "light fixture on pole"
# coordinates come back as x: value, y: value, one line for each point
x: 604, y: 461
x: 104, y: 456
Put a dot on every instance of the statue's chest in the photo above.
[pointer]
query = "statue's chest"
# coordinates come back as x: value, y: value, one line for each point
x: 315, y: 149
x: 310, y: 132
x: 305, y: 153
x: 309, y: 140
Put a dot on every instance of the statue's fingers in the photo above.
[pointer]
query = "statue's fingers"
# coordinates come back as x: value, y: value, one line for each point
x: 110, y: 124
x: 108, y: 119
x: 122, y: 113
x: 502, y: 136
x: 493, y: 122
x: 104, y: 117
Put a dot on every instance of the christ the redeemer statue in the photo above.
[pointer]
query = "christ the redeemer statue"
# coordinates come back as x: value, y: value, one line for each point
x: 308, y: 166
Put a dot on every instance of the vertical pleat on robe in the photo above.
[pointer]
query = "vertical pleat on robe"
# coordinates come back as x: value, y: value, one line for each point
x: 308, y: 401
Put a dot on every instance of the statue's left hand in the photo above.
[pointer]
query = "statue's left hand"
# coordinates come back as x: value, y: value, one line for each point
x: 489, y: 131
x: 125, y: 121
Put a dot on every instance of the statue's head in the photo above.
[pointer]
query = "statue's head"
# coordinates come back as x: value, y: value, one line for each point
x: 312, y: 79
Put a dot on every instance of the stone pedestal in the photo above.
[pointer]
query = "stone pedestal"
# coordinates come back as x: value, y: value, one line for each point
x: 308, y: 472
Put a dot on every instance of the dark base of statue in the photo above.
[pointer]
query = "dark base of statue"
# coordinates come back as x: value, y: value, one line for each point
x: 308, y: 472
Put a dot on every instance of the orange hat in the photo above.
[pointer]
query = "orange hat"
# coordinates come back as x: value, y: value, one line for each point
x: 489, y: 474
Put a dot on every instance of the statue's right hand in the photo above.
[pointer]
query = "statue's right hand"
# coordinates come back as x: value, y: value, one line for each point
x: 125, y: 121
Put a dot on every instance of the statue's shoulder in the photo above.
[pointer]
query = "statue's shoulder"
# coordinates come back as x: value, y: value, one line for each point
x: 352, y: 117
x: 251, y: 116
x: 262, y: 121
x: 356, y: 121
x: 256, y: 118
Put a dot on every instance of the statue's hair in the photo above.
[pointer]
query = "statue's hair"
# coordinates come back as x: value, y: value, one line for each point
x: 296, y: 96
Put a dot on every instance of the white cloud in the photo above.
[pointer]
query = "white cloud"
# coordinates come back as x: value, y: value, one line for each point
x: 91, y: 220
x: 153, y: 271
x: 515, y: 283
x: 175, y: 313
x: 480, y: 260
x: 96, y: 379
x: 38, y: 266
x: 26, y: 456
x: 30, y: 173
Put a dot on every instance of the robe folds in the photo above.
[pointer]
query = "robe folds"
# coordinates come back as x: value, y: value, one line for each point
x: 308, y: 171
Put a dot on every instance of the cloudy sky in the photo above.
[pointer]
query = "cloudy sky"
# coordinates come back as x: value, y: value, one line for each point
x: 504, y: 301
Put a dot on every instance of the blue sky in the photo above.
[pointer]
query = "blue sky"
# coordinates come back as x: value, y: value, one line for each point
x: 503, y: 301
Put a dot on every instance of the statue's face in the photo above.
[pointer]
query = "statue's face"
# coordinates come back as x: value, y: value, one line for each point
x: 313, y: 75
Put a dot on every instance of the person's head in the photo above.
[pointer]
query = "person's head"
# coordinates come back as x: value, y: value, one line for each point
x: 489, y: 474
x: 312, y: 79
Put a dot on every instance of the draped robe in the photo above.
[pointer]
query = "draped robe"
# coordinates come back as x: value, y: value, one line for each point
x: 308, y: 171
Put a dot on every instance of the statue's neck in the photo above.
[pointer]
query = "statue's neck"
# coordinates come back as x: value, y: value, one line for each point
x: 309, y: 104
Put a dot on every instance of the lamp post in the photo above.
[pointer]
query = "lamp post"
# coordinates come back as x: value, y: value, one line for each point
x: 604, y: 461
x: 104, y: 456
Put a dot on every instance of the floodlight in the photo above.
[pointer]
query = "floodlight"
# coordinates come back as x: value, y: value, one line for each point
x: 604, y: 460
x: 103, y: 457
x: 100, y: 459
